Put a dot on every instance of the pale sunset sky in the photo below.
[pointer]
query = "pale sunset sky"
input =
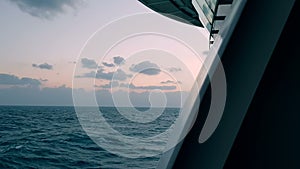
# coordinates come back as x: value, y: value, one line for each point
x: 41, y: 41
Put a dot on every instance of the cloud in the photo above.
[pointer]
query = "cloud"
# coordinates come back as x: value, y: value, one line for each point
x: 150, y: 87
x: 43, y: 66
x: 47, y: 9
x: 110, y: 85
x: 171, y: 82
x: 44, y: 80
x: 108, y: 64
x: 118, y: 60
x: 72, y: 62
x: 91, y: 74
x: 146, y: 67
x: 174, y: 69
x: 88, y: 63
x: 7, y: 79
x: 117, y: 75
x: 101, y: 74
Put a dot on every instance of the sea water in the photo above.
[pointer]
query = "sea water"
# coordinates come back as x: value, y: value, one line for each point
x: 52, y: 137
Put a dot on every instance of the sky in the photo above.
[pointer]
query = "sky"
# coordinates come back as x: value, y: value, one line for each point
x: 49, y: 48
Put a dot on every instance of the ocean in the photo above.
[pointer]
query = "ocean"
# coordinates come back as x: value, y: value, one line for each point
x: 52, y: 137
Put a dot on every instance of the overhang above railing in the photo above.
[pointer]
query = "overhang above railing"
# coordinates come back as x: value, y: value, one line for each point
x: 183, y: 10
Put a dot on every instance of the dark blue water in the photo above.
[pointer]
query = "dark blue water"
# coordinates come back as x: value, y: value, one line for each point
x: 51, y: 137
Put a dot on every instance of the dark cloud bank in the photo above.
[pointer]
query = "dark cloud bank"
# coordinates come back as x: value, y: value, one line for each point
x: 114, y: 84
x: 27, y: 91
x: 7, y: 79
x: 62, y: 96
